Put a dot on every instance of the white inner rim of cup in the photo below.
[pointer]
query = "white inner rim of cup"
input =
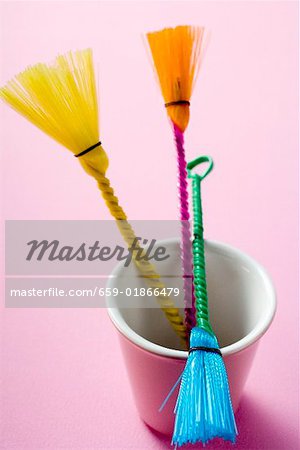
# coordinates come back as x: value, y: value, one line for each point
x: 259, y: 329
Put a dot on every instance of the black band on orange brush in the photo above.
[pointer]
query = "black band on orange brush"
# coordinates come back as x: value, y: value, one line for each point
x: 206, y: 349
x: 178, y: 102
x: 88, y: 150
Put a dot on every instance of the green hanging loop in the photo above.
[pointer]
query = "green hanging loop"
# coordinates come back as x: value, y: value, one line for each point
x: 202, y: 314
x: 201, y: 159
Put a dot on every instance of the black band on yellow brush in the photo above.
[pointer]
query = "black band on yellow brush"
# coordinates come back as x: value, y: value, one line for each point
x: 88, y: 150
x: 178, y: 102
x: 206, y: 349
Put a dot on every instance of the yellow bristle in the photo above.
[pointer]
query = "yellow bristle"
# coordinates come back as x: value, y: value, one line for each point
x: 61, y: 100
x: 176, y: 56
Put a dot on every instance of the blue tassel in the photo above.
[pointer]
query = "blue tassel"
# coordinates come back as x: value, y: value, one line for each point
x: 203, y: 408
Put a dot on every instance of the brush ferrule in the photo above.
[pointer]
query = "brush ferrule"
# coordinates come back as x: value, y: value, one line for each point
x: 177, y: 102
x: 206, y: 349
x: 87, y: 150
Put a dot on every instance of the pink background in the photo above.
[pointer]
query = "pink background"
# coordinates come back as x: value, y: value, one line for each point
x: 62, y: 385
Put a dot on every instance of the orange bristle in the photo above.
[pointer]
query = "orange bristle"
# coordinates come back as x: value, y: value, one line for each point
x: 176, y: 56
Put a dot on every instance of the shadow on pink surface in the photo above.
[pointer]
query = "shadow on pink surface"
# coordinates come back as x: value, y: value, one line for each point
x: 258, y: 430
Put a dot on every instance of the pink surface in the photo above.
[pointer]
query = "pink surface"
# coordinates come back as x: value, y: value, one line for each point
x: 62, y: 386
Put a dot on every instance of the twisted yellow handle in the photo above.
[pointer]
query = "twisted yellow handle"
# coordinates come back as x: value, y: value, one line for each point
x: 146, y: 269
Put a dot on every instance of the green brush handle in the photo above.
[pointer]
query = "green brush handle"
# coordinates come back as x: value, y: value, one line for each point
x: 202, y: 314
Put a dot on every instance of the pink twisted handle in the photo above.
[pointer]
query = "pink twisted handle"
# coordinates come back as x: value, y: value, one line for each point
x: 186, y: 244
